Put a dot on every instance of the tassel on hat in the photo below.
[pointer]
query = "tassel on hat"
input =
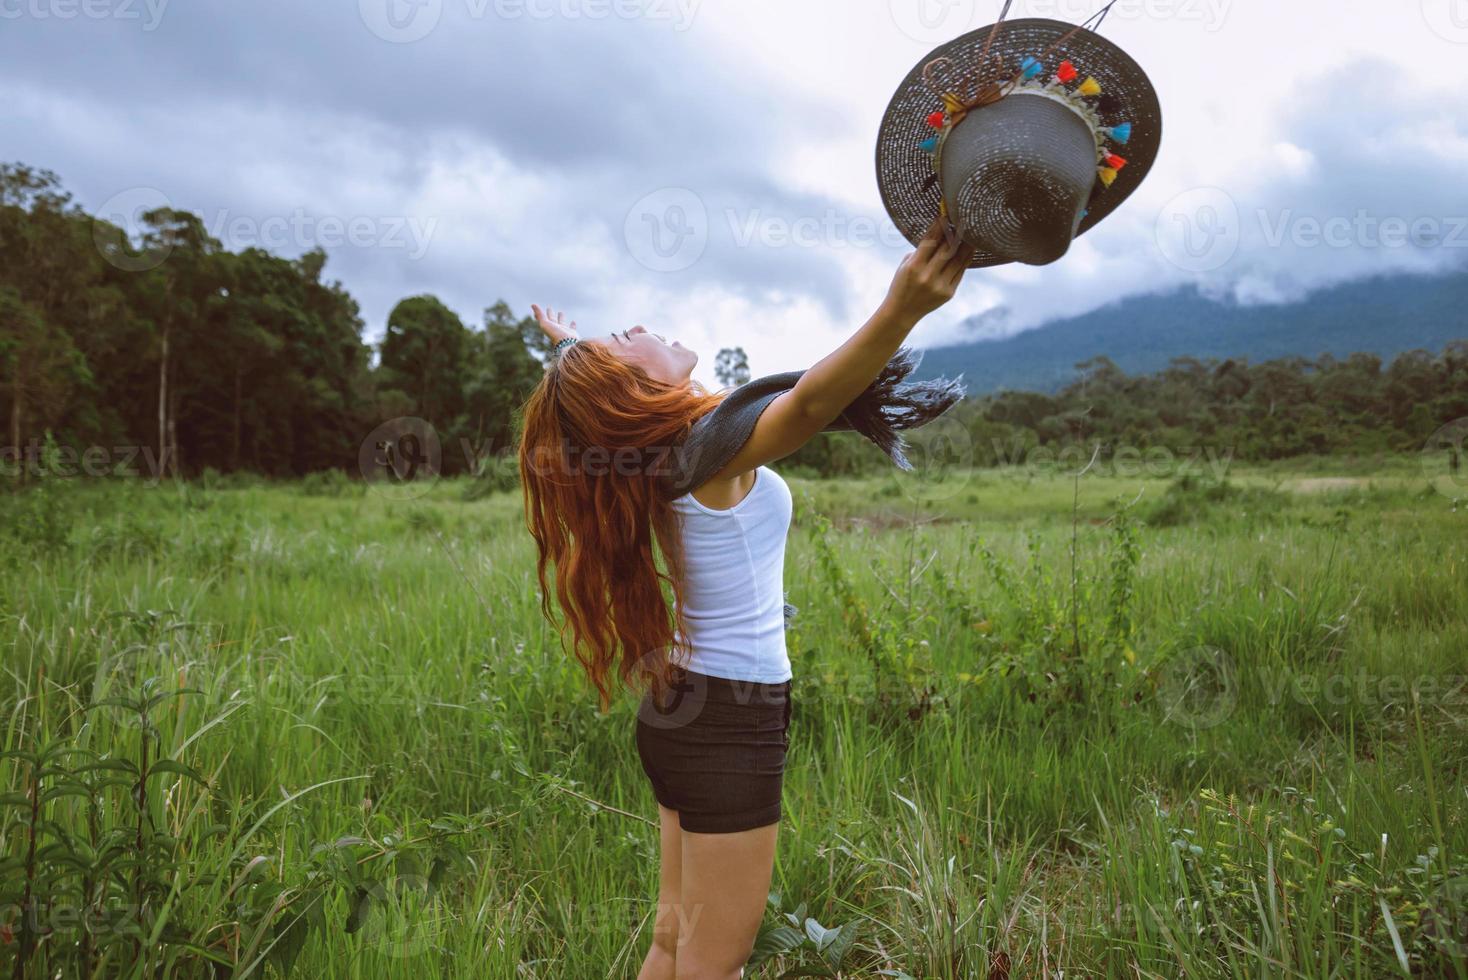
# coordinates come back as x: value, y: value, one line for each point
x: 929, y: 145
x: 1066, y: 73
x: 936, y: 120
x: 1030, y: 68
x: 1115, y: 162
x: 1108, y: 176
x: 1090, y: 87
x: 1119, y: 134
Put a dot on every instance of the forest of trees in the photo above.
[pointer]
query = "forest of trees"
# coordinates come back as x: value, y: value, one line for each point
x: 246, y: 361
x: 1272, y: 410
x: 231, y: 361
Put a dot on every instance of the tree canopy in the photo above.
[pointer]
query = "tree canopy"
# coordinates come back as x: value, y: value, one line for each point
x: 226, y: 360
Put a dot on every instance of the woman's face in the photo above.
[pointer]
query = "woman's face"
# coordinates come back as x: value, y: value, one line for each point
x: 669, y: 363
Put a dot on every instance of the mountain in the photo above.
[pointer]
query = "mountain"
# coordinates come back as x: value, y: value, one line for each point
x: 1384, y: 316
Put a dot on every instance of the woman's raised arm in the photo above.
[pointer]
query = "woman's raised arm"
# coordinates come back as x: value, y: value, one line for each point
x: 926, y: 280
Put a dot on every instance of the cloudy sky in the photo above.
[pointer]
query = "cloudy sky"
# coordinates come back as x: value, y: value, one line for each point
x: 705, y: 166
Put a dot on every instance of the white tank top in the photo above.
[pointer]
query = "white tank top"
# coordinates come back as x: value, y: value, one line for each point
x: 734, y: 583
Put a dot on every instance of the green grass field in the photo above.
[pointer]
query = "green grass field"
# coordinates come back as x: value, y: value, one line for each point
x: 1125, y: 727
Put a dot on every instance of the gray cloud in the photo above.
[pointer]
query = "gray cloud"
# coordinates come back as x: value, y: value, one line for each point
x: 258, y: 113
x: 569, y: 93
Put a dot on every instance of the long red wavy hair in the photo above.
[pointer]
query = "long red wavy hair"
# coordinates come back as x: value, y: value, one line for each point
x: 597, y: 433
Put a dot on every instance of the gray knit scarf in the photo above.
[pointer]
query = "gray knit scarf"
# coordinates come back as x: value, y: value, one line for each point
x: 889, y: 405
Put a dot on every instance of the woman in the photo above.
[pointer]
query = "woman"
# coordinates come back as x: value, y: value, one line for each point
x: 711, y: 733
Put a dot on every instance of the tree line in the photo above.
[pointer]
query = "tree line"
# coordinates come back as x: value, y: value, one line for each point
x: 247, y: 361
x: 1276, y: 409
x: 1230, y: 409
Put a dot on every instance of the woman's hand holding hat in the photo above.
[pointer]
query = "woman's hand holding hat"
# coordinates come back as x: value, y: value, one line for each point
x: 929, y: 277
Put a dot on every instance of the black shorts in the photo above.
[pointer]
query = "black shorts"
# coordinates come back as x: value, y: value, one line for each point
x: 715, y: 751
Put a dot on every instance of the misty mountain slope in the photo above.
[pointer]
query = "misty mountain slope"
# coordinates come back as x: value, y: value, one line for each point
x: 1385, y: 316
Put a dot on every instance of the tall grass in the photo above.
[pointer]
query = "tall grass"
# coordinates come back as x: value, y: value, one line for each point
x: 256, y: 730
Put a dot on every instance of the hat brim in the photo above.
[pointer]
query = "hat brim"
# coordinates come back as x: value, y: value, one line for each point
x: 904, y: 169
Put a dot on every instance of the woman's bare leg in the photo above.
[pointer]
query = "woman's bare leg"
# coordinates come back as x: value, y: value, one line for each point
x: 659, y: 964
x: 726, y: 881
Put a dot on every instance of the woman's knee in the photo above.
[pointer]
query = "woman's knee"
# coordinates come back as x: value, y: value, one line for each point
x: 702, y: 963
x: 696, y: 971
x: 667, y: 934
x: 666, y: 942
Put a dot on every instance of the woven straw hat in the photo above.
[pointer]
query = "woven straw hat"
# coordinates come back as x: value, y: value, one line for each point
x: 1026, y: 133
